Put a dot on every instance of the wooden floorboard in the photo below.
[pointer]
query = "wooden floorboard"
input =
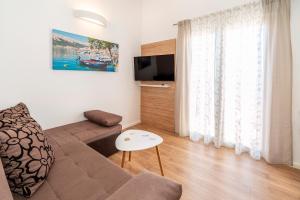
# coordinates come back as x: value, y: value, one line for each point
x: 209, y: 173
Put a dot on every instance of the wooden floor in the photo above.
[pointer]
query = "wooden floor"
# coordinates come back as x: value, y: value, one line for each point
x: 209, y: 173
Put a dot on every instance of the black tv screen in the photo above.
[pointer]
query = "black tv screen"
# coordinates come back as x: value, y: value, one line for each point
x: 154, y: 68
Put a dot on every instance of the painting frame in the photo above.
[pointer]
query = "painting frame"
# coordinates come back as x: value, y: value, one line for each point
x: 72, y: 51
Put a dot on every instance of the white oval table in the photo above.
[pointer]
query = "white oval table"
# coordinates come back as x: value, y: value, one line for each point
x: 137, y: 140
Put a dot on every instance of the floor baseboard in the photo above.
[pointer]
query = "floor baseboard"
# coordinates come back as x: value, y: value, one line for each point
x: 130, y: 125
x: 296, y: 165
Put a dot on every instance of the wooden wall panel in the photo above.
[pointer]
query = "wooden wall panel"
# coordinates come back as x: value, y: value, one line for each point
x: 159, y: 48
x: 157, y: 104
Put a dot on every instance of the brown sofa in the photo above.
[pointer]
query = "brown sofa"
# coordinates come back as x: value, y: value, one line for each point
x: 100, y: 138
x: 81, y: 173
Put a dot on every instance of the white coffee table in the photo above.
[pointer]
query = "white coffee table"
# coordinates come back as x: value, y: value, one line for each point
x: 136, y: 140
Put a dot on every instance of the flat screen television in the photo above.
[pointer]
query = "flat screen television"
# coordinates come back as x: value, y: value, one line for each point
x: 154, y: 68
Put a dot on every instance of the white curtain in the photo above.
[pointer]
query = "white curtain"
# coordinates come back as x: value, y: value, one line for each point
x: 227, y: 79
x: 277, y: 143
x: 183, y: 71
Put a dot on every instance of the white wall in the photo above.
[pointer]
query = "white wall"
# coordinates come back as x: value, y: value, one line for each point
x: 158, y: 16
x: 59, y: 97
x: 295, y: 26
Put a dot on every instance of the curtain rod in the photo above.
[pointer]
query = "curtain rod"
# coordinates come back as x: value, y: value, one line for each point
x: 176, y: 24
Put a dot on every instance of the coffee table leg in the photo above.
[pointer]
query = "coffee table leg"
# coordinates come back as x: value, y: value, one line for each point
x: 123, y: 158
x: 159, y: 161
x: 129, y: 159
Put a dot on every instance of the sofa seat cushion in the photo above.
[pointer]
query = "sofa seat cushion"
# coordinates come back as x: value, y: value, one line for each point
x: 103, y: 118
x: 79, y: 173
x: 86, y: 131
x: 148, y: 186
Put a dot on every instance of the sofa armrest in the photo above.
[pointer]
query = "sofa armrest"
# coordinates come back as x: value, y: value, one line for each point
x: 5, y: 193
x: 148, y: 186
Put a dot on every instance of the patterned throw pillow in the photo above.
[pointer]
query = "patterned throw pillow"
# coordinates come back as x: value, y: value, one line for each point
x: 18, y: 114
x: 26, y: 155
x: 21, y: 108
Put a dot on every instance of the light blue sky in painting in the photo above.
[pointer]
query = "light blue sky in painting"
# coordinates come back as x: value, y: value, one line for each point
x: 80, y: 38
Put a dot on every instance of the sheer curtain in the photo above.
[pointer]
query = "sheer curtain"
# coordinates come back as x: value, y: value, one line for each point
x: 227, y: 79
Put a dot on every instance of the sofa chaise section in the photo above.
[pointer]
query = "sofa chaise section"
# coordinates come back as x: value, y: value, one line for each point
x: 81, y: 173
x: 100, y: 138
x: 147, y: 186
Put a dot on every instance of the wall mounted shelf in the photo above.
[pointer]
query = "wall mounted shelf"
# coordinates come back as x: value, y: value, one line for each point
x: 155, y: 85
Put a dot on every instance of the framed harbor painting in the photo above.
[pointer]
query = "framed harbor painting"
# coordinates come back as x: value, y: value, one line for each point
x: 77, y: 52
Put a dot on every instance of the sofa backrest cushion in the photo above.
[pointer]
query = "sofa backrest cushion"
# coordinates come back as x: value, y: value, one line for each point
x: 25, y: 154
x: 103, y: 118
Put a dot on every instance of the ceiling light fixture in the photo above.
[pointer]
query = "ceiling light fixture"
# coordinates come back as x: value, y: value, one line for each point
x: 91, y: 17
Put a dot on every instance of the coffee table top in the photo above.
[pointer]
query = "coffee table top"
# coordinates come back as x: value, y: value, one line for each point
x: 135, y: 140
